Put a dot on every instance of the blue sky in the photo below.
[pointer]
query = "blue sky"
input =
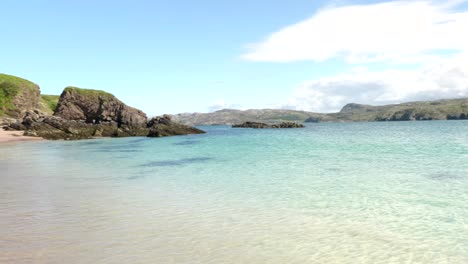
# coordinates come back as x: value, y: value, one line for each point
x: 197, y: 56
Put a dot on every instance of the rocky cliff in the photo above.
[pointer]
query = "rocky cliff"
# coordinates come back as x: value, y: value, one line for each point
x: 96, y: 107
x: 76, y: 114
x: 84, y: 114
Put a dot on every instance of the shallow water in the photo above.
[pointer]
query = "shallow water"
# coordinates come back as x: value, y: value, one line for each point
x: 329, y: 193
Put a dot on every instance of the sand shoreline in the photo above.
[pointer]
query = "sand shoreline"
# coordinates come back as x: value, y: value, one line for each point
x: 15, y: 136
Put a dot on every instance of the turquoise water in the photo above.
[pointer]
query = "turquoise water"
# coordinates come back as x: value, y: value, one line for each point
x: 329, y: 193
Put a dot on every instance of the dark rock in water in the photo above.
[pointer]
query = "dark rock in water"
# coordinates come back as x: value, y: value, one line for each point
x: 287, y: 125
x: 258, y: 125
x: 168, y: 163
x: 163, y: 126
x: 461, y: 116
x: 252, y: 125
x: 94, y: 106
x: 444, y: 176
x: 186, y: 143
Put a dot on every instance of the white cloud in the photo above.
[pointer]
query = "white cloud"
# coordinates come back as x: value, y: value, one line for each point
x: 447, y: 78
x: 396, y: 32
x: 431, y: 35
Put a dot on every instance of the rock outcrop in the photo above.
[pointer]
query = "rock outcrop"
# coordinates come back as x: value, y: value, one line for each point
x: 163, y: 126
x: 84, y: 114
x: 258, y: 125
x: 96, y: 107
x: 37, y: 124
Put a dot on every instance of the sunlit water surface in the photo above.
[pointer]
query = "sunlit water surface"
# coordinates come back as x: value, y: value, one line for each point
x: 329, y: 193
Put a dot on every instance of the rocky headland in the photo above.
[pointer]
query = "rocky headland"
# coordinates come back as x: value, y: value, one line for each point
x: 258, y: 125
x: 76, y: 114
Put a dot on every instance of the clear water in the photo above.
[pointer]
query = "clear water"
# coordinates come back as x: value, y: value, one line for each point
x: 329, y: 193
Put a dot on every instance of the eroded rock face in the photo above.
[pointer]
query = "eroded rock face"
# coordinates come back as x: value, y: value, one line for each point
x: 263, y: 125
x: 163, y: 126
x: 97, y: 107
x: 38, y: 124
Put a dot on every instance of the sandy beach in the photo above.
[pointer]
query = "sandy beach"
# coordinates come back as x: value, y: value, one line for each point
x: 14, y: 136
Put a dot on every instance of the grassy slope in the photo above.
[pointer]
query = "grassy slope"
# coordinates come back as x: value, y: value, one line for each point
x: 11, y: 86
x: 49, y: 103
x: 435, y: 110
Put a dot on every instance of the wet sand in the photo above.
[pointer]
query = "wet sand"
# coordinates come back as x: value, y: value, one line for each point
x: 15, y: 136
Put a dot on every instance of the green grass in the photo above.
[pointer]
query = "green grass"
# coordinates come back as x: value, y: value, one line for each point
x: 10, y: 87
x: 7, y: 92
x: 49, y: 102
x: 89, y: 92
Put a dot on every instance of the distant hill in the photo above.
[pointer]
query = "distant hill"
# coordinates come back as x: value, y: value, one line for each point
x: 427, y: 110
x: 230, y: 116
x: 424, y: 110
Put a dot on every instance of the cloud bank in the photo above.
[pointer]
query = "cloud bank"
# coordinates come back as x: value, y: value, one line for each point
x: 446, y: 79
x: 431, y: 36
x: 398, y: 31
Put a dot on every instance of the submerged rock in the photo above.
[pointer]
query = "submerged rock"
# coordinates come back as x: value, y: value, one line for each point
x: 263, y: 125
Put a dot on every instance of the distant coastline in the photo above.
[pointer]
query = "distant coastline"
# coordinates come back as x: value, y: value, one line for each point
x: 445, y: 109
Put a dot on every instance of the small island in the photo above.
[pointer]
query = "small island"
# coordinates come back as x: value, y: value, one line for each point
x: 258, y: 125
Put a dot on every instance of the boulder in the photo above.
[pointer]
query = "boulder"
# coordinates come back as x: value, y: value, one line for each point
x: 251, y: 125
x: 163, y: 126
x: 96, y: 107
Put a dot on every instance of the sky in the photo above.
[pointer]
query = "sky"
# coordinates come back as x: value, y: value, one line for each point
x: 201, y: 56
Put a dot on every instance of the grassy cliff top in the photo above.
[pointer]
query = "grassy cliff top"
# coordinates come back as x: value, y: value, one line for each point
x: 16, y: 82
x: 12, y: 86
x: 88, y: 92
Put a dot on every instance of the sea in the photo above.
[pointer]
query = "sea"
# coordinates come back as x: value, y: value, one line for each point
x: 381, y: 192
